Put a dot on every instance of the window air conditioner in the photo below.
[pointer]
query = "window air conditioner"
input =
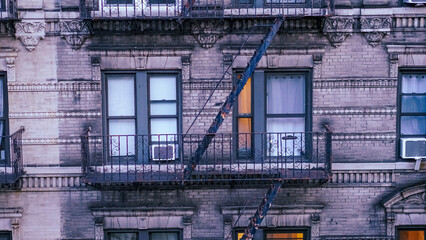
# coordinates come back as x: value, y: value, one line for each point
x: 415, y: 1
x: 163, y: 152
x: 413, y: 148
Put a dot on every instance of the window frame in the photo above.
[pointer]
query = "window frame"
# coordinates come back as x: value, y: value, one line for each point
x: 399, y: 136
x: 145, y: 234
x: 5, y: 119
x: 305, y: 230
x: 6, y: 234
x: 118, y: 4
x: 410, y: 228
x: 142, y: 108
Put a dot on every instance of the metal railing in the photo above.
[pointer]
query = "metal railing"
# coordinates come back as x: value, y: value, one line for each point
x: 8, y: 10
x: 11, y: 164
x: 230, y: 157
x: 181, y: 9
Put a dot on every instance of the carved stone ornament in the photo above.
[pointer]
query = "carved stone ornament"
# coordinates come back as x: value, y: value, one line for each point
x: 99, y: 228
x: 207, y: 32
x: 375, y: 29
x: 75, y: 33
x: 11, y: 72
x: 187, y: 227
x: 16, y: 233
x: 337, y: 29
x: 30, y: 33
x: 186, y: 68
x: 393, y: 65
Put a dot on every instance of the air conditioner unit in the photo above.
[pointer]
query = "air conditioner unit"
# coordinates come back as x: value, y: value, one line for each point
x: 413, y: 148
x: 163, y: 152
x: 415, y: 1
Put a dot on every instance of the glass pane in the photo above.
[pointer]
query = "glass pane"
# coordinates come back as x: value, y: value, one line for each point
x: 1, y: 98
x: 121, y: 96
x: 124, y: 144
x: 119, y: 1
x: 413, y: 125
x: 163, y: 108
x: 162, y: 87
x: 164, y: 236
x: 123, y: 236
x: 164, y: 126
x: 239, y: 235
x: 414, y: 83
x: 244, y: 99
x: 244, y: 135
x: 287, y: 236
x: 285, y: 136
x: 411, y: 235
x: 285, y: 94
x: 412, y: 104
x: 4, y: 237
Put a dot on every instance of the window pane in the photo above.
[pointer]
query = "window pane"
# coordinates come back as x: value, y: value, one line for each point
x: 244, y: 135
x: 412, y: 104
x: 1, y: 97
x: 244, y: 99
x: 123, y: 236
x: 121, y: 96
x: 4, y: 237
x: 285, y: 94
x: 414, y: 83
x: 124, y: 144
x: 282, y: 139
x: 164, y: 236
x: 163, y: 108
x: 162, y: 88
x: 411, y: 235
x: 2, y: 141
x: 164, y: 126
x: 413, y: 125
x: 287, y: 236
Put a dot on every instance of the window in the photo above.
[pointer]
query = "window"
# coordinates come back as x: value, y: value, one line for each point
x: 277, y: 103
x: 412, y: 234
x: 277, y: 235
x: 3, y: 118
x: 412, y: 107
x: 144, y: 235
x: 5, y: 236
x: 138, y: 104
x: 119, y: 1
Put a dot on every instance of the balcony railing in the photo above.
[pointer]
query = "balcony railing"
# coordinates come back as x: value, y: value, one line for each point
x: 230, y: 157
x: 8, y: 10
x: 179, y: 9
x: 11, y: 164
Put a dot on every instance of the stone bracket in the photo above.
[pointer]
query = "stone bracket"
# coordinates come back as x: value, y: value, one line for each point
x: 375, y: 29
x: 30, y: 33
x: 337, y: 29
x: 96, y: 68
x: 74, y: 32
x: 207, y: 32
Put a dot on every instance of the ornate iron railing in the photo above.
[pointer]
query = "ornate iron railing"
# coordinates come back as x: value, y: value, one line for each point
x: 230, y: 157
x: 11, y: 164
x: 181, y: 9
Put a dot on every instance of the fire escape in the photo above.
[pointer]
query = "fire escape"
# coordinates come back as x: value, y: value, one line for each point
x: 208, y: 158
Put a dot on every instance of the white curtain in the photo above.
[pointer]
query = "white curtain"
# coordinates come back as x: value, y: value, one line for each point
x: 164, y: 236
x: 285, y: 94
x: 413, y: 84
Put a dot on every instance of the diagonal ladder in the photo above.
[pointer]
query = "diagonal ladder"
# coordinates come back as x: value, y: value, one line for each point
x: 232, y: 97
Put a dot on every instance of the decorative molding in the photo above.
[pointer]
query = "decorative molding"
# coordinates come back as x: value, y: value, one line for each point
x: 386, y: 177
x: 14, y: 215
x: 337, y: 29
x: 355, y: 110
x: 11, y: 71
x: 74, y: 32
x: 186, y: 68
x: 207, y: 32
x: 96, y: 68
x: 51, y: 141
x: 375, y: 29
x: 356, y: 83
x: 187, y: 227
x: 227, y: 67
x: 207, y: 84
x: 317, y: 58
x: 364, y: 136
x: 393, y: 65
x: 54, y: 87
x: 390, y: 224
x: 227, y: 227
x: 99, y: 228
x: 16, y: 230
x: 315, y: 225
x: 43, y: 115
x: 49, y: 181
x: 30, y: 33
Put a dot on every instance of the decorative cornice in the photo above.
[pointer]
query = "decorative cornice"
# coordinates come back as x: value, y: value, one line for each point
x: 30, y: 33
x: 74, y: 32
x: 51, y: 141
x: 337, y: 29
x: 206, y: 84
x: 207, y: 32
x: 356, y: 83
x: 355, y: 110
x: 383, y: 177
x: 54, y: 87
x: 49, y: 181
x: 42, y: 115
x: 375, y: 29
x: 364, y: 136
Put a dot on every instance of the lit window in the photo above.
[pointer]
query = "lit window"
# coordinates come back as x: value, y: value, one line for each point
x: 414, y: 234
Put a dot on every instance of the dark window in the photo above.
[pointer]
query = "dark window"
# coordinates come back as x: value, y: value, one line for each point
x: 143, y: 235
x: 138, y: 104
x: 119, y: 1
x: 161, y: 1
x: 278, y: 104
x: 3, y: 118
x: 412, y: 234
x: 5, y: 236
x: 122, y: 236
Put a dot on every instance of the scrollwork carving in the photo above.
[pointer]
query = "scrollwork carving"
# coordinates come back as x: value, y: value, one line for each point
x: 375, y: 29
x: 74, y: 32
x: 206, y: 33
x: 337, y: 29
x: 30, y: 33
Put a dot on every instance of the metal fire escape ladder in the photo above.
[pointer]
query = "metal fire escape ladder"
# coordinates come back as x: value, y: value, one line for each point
x: 232, y: 97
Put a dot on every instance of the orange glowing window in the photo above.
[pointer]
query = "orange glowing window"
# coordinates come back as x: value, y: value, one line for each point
x: 412, y: 235
x: 285, y: 236
x: 244, y: 99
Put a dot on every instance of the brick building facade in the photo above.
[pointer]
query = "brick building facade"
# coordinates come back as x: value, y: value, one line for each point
x: 103, y: 106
